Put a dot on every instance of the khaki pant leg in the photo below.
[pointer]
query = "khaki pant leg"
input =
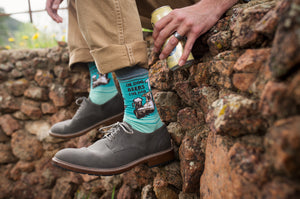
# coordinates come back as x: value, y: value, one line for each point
x: 146, y: 7
x: 79, y: 50
x: 113, y: 32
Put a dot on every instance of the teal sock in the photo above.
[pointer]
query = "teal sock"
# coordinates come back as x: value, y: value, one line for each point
x: 140, y: 110
x: 102, y: 86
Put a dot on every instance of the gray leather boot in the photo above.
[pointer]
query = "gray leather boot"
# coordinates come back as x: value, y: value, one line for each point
x: 120, y: 150
x: 88, y: 116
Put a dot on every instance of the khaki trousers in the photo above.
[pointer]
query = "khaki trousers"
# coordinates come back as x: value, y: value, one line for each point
x: 109, y: 32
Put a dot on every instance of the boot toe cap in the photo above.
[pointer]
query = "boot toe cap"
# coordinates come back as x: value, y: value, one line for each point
x: 60, y: 127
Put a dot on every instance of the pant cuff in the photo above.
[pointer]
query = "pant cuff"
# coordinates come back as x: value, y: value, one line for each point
x: 79, y: 55
x: 114, y: 57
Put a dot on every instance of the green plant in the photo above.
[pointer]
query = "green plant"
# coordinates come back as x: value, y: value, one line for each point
x: 113, y: 192
x: 28, y: 36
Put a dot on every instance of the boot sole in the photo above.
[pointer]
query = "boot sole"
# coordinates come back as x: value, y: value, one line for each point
x: 108, y: 121
x: 152, y: 160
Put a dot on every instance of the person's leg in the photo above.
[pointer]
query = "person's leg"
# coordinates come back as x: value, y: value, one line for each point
x: 100, y: 92
x: 140, y: 110
x: 102, y: 86
x: 116, y: 41
x: 113, y: 32
x: 79, y: 51
x: 104, y: 105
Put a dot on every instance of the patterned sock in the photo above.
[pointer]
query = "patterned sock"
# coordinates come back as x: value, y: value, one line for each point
x: 102, y: 86
x: 140, y: 110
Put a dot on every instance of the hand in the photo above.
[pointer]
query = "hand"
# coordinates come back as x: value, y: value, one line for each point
x: 191, y: 21
x: 52, y: 7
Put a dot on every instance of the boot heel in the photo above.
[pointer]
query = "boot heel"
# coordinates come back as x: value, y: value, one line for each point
x: 162, y: 158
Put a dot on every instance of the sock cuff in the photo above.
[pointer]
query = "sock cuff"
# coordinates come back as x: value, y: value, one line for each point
x: 131, y: 72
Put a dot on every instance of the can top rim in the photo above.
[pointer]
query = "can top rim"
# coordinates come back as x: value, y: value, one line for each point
x: 160, y: 8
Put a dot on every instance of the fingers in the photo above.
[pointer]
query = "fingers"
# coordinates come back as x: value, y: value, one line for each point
x: 183, y: 29
x: 162, y: 30
x: 187, y: 50
x: 52, y: 7
x: 159, y: 25
x: 167, y: 49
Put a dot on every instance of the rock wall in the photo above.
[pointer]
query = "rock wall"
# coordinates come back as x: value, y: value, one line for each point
x: 233, y: 116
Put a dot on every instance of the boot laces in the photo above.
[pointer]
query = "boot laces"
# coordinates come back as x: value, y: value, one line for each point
x: 115, y: 128
x: 79, y: 102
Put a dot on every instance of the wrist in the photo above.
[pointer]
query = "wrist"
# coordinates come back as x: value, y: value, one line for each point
x: 218, y: 7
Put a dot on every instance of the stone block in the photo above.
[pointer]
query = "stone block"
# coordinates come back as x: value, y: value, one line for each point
x: 219, y: 42
x: 204, y: 96
x: 38, y: 128
x: 26, y: 147
x: 176, y: 132
x: 63, y: 188
x: 252, y: 60
x: 243, y: 81
x: 190, y: 118
x: 48, y: 108
x: 183, y: 90
x: 36, y: 93
x: 61, y: 72
x: 61, y: 96
x: 285, y: 57
x: 276, y: 101
x: 232, y: 170
x: 168, y: 104
x: 6, y: 154
x: 31, y: 109
x: 191, y: 163
x: 17, y: 87
x: 282, y: 144
x: 43, y: 78
x: 243, y: 28
x: 167, y: 182
x: 19, y: 168
x: 9, y: 125
x: 160, y: 76
x: 235, y: 115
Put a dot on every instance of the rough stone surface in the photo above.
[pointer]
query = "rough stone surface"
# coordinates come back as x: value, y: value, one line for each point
x: 61, y: 96
x: 31, y: 109
x: 6, y: 154
x: 284, y: 53
x: 244, y: 26
x: 36, y: 93
x: 243, y: 81
x: 9, y: 124
x: 219, y: 42
x: 282, y: 143
x: 190, y: 118
x: 251, y: 60
x: 168, y: 104
x: 63, y: 189
x: 26, y: 147
x: 233, y: 116
x: 276, y: 101
x: 43, y: 78
x: 191, y: 163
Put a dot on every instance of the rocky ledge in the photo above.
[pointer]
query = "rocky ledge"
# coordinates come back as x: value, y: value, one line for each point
x: 233, y: 116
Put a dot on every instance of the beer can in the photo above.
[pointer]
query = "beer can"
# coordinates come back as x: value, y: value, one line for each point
x: 173, y: 58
